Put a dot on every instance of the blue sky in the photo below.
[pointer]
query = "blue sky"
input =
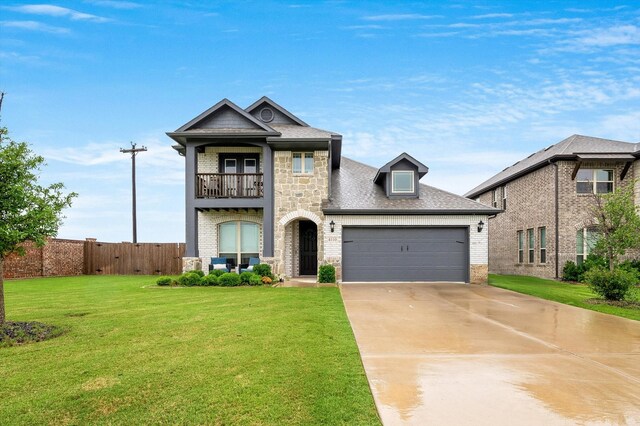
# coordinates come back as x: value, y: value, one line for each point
x: 468, y: 88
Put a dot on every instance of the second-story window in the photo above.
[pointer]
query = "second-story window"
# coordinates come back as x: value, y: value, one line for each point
x: 494, y: 198
x: 594, y: 181
x: 303, y: 162
x: 504, y: 198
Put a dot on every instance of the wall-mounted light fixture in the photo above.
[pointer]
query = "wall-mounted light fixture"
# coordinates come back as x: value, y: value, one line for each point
x: 480, y: 226
x: 332, y: 224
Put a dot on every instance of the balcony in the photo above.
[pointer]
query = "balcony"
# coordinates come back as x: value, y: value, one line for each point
x: 229, y: 185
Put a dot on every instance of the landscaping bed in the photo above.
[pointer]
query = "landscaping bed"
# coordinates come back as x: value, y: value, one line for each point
x: 202, y: 355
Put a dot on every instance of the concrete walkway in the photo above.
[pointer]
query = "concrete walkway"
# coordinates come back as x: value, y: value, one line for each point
x: 452, y: 354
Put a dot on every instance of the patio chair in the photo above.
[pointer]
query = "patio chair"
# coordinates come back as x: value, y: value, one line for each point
x: 219, y: 263
x: 252, y: 262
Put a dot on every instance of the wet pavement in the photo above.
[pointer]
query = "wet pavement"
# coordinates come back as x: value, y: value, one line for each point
x: 463, y: 354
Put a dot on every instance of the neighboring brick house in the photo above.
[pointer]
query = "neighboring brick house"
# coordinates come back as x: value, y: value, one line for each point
x: 548, y: 199
x: 260, y: 182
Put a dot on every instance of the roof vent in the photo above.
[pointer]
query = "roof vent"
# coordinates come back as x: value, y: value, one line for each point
x: 267, y: 115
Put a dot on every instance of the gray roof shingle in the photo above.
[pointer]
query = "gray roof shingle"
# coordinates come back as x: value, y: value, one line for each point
x: 353, y: 191
x: 569, y: 148
x: 292, y: 131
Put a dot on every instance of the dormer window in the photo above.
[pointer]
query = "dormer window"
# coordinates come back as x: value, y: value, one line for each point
x: 402, y: 182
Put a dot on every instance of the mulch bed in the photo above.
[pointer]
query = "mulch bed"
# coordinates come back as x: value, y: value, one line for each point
x: 18, y: 333
x: 618, y: 303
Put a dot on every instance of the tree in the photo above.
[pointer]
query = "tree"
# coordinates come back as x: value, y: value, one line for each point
x: 617, y: 222
x: 28, y: 211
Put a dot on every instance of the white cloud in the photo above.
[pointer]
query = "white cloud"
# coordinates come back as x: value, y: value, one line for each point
x: 400, y: 17
x: 493, y: 15
x: 35, y: 26
x: 116, y: 4
x: 57, y: 11
x: 613, y: 36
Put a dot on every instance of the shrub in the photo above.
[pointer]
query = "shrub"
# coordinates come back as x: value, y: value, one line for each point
x: 164, y: 281
x: 612, y: 285
x: 262, y: 269
x: 245, y: 277
x: 217, y: 272
x: 189, y: 279
x: 198, y: 272
x: 255, y: 280
x: 210, y: 280
x: 327, y: 274
x: 266, y: 280
x: 229, y: 279
x: 632, y: 266
x: 571, y: 271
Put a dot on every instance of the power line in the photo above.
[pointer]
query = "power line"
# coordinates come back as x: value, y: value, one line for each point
x: 134, y: 151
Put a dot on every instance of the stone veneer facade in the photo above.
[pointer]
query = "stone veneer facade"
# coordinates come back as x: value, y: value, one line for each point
x: 477, y: 240
x: 297, y: 197
x: 531, y: 205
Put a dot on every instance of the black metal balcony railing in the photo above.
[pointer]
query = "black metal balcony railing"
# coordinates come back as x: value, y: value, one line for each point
x: 229, y: 185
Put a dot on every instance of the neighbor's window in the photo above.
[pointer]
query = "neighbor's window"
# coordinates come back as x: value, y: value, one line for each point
x: 520, y: 246
x: 402, y: 181
x: 238, y: 241
x: 542, y: 238
x: 494, y: 198
x: 586, y: 240
x: 303, y: 162
x: 594, y: 181
x: 531, y: 240
x: 504, y: 198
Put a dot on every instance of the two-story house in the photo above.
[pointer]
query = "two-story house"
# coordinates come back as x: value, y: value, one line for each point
x: 547, y: 202
x: 260, y: 182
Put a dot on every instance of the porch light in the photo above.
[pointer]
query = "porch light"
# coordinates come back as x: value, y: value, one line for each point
x: 332, y: 224
x: 480, y: 226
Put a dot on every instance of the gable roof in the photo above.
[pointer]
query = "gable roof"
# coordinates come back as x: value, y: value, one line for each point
x: 223, y: 119
x: 422, y: 169
x: 354, y: 192
x: 265, y: 100
x: 575, y: 147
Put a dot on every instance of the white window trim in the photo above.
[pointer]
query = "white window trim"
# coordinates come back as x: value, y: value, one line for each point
x: 396, y: 172
x: 255, y: 162
x: 235, y: 166
x: 303, y: 156
x: 238, y: 224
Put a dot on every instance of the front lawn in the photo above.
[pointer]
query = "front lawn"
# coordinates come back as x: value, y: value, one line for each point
x: 570, y: 294
x: 203, y: 355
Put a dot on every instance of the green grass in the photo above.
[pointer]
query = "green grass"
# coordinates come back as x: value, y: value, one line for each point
x: 139, y: 355
x: 569, y: 294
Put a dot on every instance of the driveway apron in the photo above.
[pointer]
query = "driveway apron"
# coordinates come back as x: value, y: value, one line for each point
x: 463, y: 354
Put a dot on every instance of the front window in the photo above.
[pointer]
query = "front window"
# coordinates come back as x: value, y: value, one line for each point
x: 594, y: 181
x: 542, y: 238
x: 303, y: 162
x: 238, y: 241
x: 586, y: 240
x: 402, y: 181
x: 520, y: 246
x: 531, y: 240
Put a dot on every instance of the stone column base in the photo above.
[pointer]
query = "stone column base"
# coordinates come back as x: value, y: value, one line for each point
x: 479, y: 274
x: 191, y: 264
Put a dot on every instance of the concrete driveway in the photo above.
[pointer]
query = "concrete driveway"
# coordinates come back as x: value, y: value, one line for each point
x: 458, y: 354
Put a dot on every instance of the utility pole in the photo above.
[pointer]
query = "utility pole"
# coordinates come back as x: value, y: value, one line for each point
x: 133, y: 152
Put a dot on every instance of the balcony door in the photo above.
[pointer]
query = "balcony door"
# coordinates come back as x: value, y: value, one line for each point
x: 240, y: 174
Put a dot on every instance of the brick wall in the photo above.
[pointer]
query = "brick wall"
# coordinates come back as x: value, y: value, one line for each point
x: 531, y: 205
x: 57, y: 258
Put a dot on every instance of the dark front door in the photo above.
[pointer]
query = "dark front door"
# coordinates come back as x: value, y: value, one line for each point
x: 308, y: 248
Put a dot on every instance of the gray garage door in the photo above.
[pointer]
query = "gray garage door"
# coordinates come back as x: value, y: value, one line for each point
x: 405, y: 254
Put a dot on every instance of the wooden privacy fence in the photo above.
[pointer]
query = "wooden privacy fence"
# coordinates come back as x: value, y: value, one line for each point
x: 133, y: 259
